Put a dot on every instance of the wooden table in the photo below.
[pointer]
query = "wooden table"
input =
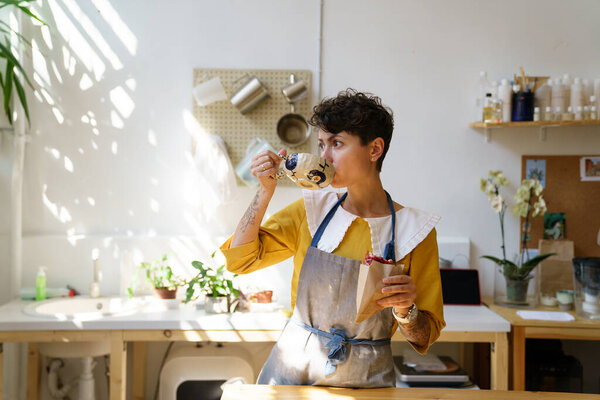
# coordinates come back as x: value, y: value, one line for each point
x: 266, y: 392
x: 522, y: 329
x: 465, y: 325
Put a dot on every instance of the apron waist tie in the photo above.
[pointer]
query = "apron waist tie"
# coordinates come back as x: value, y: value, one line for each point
x: 337, y: 344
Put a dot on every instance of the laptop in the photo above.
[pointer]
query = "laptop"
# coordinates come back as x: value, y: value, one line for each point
x: 460, y: 286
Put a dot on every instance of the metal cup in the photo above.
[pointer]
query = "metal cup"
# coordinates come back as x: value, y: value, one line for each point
x: 249, y: 95
x: 296, y: 91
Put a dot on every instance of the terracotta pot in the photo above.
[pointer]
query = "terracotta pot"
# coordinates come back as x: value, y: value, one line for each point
x: 264, y: 297
x: 165, y: 293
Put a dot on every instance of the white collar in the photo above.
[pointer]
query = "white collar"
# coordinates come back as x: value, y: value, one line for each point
x: 412, y: 225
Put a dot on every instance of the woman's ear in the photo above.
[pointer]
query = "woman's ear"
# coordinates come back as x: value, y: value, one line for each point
x: 377, y: 146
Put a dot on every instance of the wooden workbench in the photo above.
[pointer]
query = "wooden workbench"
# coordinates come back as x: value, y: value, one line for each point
x: 266, y: 392
x: 470, y: 324
x: 522, y: 329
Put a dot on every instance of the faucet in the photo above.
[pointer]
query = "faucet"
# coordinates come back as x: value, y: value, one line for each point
x: 95, y: 285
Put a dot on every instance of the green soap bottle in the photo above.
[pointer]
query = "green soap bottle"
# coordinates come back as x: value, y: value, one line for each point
x: 40, y: 284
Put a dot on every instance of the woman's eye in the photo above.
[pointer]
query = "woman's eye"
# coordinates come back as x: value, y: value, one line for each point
x: 337, y: 143
x: 321, y: 146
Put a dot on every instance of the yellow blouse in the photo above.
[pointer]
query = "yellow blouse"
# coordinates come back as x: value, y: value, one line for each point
x: 286, y: 234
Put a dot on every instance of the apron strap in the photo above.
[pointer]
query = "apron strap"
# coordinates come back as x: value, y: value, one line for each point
x: 390, y: 247
x: 337, y: 344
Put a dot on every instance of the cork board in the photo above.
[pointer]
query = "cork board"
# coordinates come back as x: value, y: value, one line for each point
x: 224, y: 119
x: 566, y: 193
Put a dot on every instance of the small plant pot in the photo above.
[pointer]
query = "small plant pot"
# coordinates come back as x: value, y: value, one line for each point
x: 216, y: 305
x: 165, y: 293
x: 266, y: 296
x: 516, y: 290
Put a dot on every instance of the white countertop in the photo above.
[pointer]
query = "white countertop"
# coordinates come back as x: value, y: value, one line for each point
x: 12, y: 318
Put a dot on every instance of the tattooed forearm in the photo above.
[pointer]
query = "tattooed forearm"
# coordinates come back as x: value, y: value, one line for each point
x: 247, y: 229
x: 418, y: 331
x: 249, y: 217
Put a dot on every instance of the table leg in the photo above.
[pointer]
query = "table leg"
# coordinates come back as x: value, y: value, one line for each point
x: 118, y: 366
x: 518, y: 356
x: 1, y: 369
x: 499, y: 362
x: 139, y: 370
x: 33, y: 371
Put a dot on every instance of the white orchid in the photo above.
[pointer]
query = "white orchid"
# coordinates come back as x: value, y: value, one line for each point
x: 497, y: 203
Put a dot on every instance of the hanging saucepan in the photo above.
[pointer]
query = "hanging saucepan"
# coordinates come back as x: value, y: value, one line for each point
x: 292, y: 128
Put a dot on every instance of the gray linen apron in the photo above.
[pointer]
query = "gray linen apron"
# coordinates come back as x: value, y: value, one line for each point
x: 321, y: 344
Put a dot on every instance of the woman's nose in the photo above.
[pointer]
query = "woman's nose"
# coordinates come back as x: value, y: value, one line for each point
x: 326, y: 153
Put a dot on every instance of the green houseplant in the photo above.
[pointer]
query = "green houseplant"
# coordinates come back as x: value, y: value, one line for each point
x: 160, y: 275
x: 220, y: 293
x: 529, y: 203
x: 11, y: 76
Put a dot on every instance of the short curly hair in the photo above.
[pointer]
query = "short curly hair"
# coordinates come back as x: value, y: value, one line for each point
x: 357, y: 113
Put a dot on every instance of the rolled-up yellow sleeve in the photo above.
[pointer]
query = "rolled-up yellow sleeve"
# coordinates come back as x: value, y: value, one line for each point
x: 425, y: 273
x: 277, y: 241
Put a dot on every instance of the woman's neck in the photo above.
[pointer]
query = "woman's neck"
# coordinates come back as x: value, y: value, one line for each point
x: 367, y: 200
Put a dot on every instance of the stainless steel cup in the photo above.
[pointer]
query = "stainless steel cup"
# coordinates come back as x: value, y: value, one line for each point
x: 249, y: 95
x: 296, y: 91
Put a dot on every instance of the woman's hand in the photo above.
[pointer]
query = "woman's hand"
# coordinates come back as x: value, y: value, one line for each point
x: 265, y: 164
x: 402, y: 293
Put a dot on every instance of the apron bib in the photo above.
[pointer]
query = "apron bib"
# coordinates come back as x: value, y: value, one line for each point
x: 321, y: 344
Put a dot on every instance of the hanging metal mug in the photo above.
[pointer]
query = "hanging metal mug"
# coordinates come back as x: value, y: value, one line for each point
x: 292, y: 128
x: 249, y: 95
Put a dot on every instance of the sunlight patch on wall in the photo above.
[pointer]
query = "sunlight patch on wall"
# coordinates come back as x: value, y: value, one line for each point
x: 61, y: 214
x: 54, y: 152
x: 68, y: 164
x: 113, y: 19
x: 131, y: 84
x: 39, y: 63
x: 85, y: 82
x: 47, y: 96
x: 77, y: 42
x: 56, y: 73
x: 115, y: 120
x: 122, y: 101
x: 58, y: 115
x: 91, y: 201
x: 46, y: 36
x: 93, y: 32
x: 152, y: 137
x: 114, y: 148
x: 154, y: 205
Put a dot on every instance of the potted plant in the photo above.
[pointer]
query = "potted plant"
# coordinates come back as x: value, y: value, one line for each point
x: 529, y: 203
x: 220, y: 294
x: 11, y: 75
x: 160, y: 275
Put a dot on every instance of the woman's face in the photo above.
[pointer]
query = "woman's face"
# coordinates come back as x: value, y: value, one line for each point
x: 351, y: 160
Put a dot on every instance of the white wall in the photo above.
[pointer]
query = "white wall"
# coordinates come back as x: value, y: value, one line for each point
x: 128, y: 178
x: 422, y: 58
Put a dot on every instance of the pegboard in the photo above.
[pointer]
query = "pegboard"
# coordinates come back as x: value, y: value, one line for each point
x: 224, y: 119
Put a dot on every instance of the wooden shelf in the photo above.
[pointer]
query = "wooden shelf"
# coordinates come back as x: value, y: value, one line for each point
x: 526, y: 124
x: 486, y: 126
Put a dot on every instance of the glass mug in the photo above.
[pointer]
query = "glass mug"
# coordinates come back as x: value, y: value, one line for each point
x: 242, y: 170
x: 306, y: 170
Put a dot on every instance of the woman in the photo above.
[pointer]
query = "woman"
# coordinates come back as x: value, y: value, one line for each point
x: 328, y: 236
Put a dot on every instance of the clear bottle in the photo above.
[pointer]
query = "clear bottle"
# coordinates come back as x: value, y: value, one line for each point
x: 548, y: 115
x: 576, y: 94
x: 588, y: 88
x: 578, y: 113
x: 593, y: 113
x: 488, y: 108
x: 568, y: 116
x: 543, y: 96
x: 536, y: 113
x: 567, y: 82
x: 498, y: 111
x: 557, y: 114
x: 586, y: 113
x: 558, y: 96
x: 483, y: 87
x: 505, y: 94
x: 592, y: 101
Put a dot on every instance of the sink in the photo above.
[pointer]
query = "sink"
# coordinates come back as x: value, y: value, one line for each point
x: 82, y: 308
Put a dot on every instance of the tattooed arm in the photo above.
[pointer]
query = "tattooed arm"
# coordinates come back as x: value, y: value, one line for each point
x: 403, y: 294
x: 263, y: 166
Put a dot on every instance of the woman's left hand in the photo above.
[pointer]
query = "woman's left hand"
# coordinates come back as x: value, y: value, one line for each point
x: 402, y: 293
